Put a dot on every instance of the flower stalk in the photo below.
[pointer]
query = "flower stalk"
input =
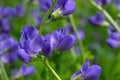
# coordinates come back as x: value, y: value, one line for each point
x: 106, y: 14
x: 3, y: 72
x: 47, y: 15
x: 51, y: 69
x: 75, y: 31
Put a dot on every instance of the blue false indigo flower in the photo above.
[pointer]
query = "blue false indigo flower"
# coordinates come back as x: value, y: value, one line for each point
x: 30, y: 44
x: 58, y: 40
x: 23, y: 71
x: 97, y: 20
x: 68, y: 8
x: 18, y: 10
x: 88, y: 72
x: 1, y: 11
x: 114, y: 38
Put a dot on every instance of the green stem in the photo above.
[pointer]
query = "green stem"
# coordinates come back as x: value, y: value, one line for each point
x: 46, y: 16
x: 3, y: 72
x: 75, y: 31
x: 106, y: 14
x: 50, y: 68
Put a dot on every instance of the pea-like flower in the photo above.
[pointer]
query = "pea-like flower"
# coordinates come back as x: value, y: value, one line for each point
x: 58, y: 40
x: 30, y: 44
x: 114, y: 38
x: 97, y: 20
x: 66, y: 6
x: 88, y: 72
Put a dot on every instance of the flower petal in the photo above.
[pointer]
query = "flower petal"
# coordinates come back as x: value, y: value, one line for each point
x: 85, y: 67
x: 23, y: 56
x: 75, y: 75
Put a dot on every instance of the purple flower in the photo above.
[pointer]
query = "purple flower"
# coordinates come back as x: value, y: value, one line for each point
x: 68, y: 8
x: 7, y: 12
x: 88, y: 72
x: 97, y: 20
x: 23, y: 71
x: 37, y: 17
x: 114, y: 38
x: 18, y: 10
x: 58, y: 40
x: 30, y: 44
x: 117, y: 3
x: 103, y: 2
x: 5, y: 25
x: 45, y: 4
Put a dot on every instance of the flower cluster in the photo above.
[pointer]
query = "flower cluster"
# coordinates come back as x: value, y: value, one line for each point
x: 31, y: 43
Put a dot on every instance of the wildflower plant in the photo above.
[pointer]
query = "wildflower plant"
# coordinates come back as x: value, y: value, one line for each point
x: 48, y: 40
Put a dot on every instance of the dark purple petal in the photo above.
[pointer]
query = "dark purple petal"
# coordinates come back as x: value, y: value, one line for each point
x: 113, y: 43
x: 105, y: 2
x: 117, y: 3
x: 1, y: 11
x: 68, y: 8
x: 85, y: 67
x: 93, y: 73
x: 66, y: 42
x: 23, y: 56
x: 75, y: 75
x: 47, y: 49
x: 29, y: 32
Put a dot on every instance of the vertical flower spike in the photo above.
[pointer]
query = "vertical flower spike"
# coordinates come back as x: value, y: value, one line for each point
x: 97, y: 20
x: 68, y: 8
x: 88, y: 72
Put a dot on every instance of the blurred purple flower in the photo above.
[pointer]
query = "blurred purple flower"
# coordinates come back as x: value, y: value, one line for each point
x: 23, y: 71
x: 117, y: 3
x: 114, y: 38
x: 103, y: 2
x: 97, y: 20
x: 18, y: 10
x: 88, y: 72
x: 5, y: 25
x: 30, y: 43
x: 7, y: 12
x: 37, y: 17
